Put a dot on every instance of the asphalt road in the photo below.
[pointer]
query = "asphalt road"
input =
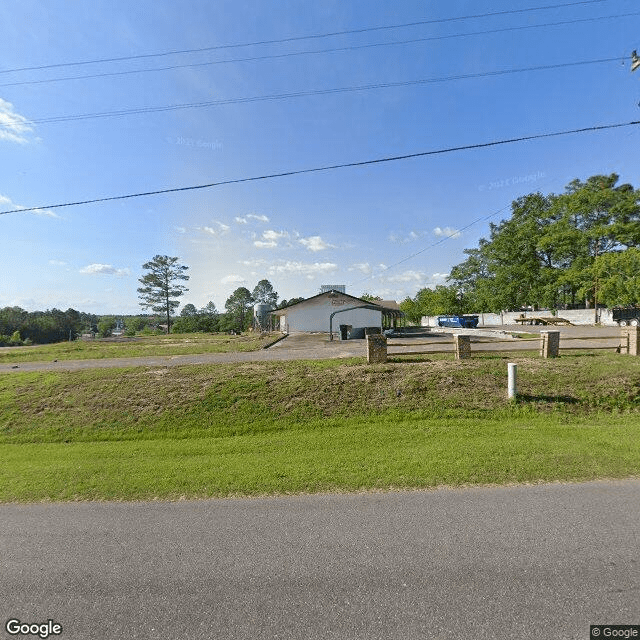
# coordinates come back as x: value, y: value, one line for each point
x: 521, y: 562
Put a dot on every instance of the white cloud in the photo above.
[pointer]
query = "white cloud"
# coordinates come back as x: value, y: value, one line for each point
x: 363, y: 267
x: 104, y: 269
x: 447, y: 232
x: 13, y: 126
x: 232, y: 279
x: 408, y: 276
x: 253, y: 263
x: 221, y: 228
x: 402, y: 238
x: 270, y: 238
x: 57, y: 263
x: 439, y: 276
x: 303, y: 268
x: 315, y: 243
x: 251, y: 216
x: 7, y: 203
x: 180, y: 229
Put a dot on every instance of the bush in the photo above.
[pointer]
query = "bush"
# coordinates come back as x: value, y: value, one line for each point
x: 15, y: 340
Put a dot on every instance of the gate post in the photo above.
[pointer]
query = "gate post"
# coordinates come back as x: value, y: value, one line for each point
x: 549, y: 344
x: 631, y: 340
x: 376, y: 348
x: 462, y: 345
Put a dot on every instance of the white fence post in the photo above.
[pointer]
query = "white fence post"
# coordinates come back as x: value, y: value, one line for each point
x: 512, y: 390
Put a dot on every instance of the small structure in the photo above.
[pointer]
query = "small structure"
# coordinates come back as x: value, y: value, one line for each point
x: 315, y: 314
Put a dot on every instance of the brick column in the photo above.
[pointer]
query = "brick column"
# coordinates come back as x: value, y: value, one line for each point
x: 462, y: 345
x: 631, y: 340
x: 549, y: 344
x: 376, y: 348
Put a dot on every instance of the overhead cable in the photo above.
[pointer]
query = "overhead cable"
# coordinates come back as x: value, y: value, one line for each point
x: 298, y: 38
x: 362, y: 163
x: 297, y: 94
x: 291, y: 54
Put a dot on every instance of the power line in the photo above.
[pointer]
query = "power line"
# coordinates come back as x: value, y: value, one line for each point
x: 299, y: 94
x: 299, y: 38
x: 292, y: 54
x: 433, y: 244
x: 333, y: 167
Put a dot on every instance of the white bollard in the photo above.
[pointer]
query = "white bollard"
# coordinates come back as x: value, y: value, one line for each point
x: 512, y: 380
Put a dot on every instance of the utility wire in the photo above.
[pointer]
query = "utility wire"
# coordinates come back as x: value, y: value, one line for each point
x: 298, y: 38
x: 333, y: 167
x: 433, y: 244
x: 298, y: 94
x: 316, y: 51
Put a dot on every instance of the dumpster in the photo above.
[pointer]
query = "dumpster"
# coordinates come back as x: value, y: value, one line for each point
x: 465, y: 322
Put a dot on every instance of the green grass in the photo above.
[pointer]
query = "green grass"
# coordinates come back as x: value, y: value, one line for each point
x: 173, y: 344
x: 335, y: 425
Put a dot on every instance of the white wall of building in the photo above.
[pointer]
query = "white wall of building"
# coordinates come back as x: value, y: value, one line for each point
x: 575, y: 316
x: 313, y: 315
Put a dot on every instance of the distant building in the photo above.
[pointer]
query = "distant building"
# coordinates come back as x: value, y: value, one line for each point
x: 325, y: 288
x: 314, y: 314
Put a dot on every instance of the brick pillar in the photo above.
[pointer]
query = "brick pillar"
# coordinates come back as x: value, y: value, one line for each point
x: 376, y: 348
x: 462, y: 345
x: 549, y: 344
x: 630, y: 340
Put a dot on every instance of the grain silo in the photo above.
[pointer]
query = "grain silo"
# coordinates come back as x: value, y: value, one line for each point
x: 261, y: 317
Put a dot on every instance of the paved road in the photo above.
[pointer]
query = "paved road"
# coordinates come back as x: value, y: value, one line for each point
x: 317, y: 347
x: 522, y: 562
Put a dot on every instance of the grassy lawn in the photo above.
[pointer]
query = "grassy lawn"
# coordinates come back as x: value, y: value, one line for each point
x: 173, y: 344
x: 286, y: 427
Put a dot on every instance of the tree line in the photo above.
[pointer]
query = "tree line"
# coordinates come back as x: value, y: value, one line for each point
x: 18, y: 327
x: 556, y: 251
x: 161, y: 289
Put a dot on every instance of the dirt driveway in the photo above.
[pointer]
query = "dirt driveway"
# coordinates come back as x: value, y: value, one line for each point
x: 316, y: 346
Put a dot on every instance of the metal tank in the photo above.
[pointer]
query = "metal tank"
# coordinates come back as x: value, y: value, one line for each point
x: 261, y: 316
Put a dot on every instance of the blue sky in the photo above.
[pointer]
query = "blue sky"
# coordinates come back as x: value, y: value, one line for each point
x: 355, y: 226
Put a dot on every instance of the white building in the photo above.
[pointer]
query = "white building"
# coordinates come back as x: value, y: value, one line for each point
x: 315, y: 314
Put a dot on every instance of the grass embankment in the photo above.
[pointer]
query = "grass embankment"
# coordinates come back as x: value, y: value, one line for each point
x: 286, y: 427
x: 169, y: 345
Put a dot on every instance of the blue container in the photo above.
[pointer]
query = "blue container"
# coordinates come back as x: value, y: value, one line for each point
x: 463, y: 322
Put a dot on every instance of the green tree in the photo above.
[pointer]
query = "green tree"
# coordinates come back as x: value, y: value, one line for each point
x: 443, y: 300
x: 590, y: 219
x: 209, y: 309
x: 188, y: 310
x: 289, y: 303
x: 370, y: 297
x: 237, y: 305
x: 105, y: 326
x: 544, y: 255
x: 617, y: 277
x: 160, y: 288
x: 264, y: 293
